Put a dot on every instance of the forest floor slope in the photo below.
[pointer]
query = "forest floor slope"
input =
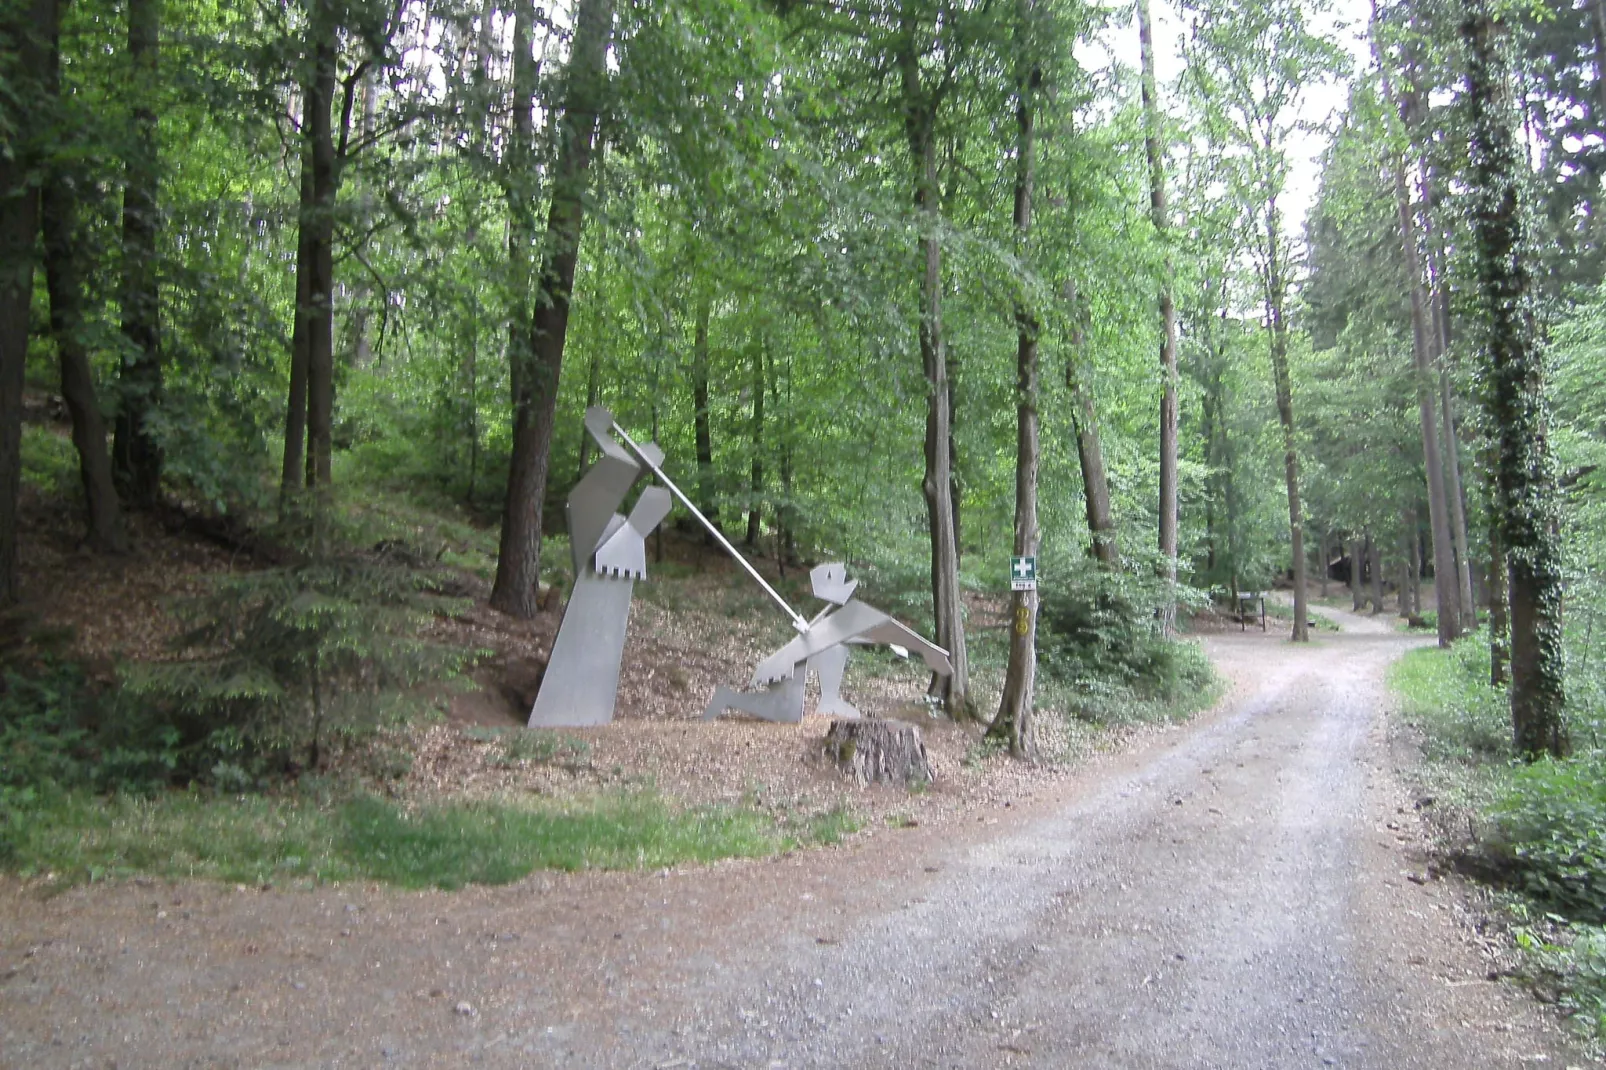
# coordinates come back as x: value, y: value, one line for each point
x: 1247, y: 891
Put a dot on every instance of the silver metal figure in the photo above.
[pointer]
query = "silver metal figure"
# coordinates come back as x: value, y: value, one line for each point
x: 823, y: 647
x: 581, y: 684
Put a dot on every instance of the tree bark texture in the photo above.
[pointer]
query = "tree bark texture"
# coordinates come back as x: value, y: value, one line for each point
x: 136, y: 454
x: 1499, y: 620
x: 1276, y: 295
x: 292, y: 474
x: 1154, y: 149
x: 1444, y: 583
x: 1089, y: 450
x: 704, y: 440
x: 755, y: 482
x: 1014, y: 721
x: 1356, y: 599
x: 937, y: 485
x: 1438, y: 318
x: 1322, y: 562
x: 25, y: 33
x: 1525, y: 508
x: 518, y: 562
x: 320, y: 323
x: 1413, y: 549
x: 879, y: 751
x: 1375, y: 557
x: 1467, y: 617
x: 64, y: 284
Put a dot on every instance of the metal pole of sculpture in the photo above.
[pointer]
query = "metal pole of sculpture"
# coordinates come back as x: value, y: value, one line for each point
x: 823, y: 648
x: 581, y: 683
x: 653, y: 463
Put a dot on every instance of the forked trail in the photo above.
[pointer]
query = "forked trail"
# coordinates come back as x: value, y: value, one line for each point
x: 1228, y: 896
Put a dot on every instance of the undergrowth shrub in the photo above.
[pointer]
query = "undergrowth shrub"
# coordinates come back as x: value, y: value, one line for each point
x: 60, y: 733
x: 276, y: 666
x: 1100, y: 640
x: 1552, y: 826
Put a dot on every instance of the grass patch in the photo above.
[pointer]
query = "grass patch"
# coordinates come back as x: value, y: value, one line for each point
x: 1445, y: 695
x: 78, y: 837
x: 49, y: 463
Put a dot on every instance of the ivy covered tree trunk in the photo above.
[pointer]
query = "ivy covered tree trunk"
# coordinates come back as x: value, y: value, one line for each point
x: 1514, y: 401
x: 1155, y: 151
x: 1499, y: 624
x: 136, y: 454
x: 1014, y: 721
x: 937, y: 485
x: 64, y: 284
x: 25, y: 31
x: 518, y: 563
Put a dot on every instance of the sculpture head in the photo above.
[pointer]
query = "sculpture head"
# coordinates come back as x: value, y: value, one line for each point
x: 831, y: 582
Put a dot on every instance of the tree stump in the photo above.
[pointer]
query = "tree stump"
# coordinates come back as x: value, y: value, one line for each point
x: 873, y: 751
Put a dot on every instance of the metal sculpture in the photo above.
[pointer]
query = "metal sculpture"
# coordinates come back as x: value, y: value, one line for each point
x: 823, y: 647
x: 581, y: 683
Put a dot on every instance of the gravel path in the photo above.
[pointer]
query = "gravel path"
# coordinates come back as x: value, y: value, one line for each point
x: 1239, y: 893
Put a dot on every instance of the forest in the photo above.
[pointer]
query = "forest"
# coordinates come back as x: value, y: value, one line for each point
x: 1252, y: 295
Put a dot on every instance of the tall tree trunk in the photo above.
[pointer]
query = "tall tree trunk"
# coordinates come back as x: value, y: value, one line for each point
x: 293, y: 472
x: 593, y: 392
x: 785, y: 535
x: 755, y: 485
x: 136, y: 455
x: 1276, y: 294
x: 362, y: 353
x: 1089, y: 450
x: 956, y: 492
x: 1444, y: 567
x: 937, y: 484
x: 518, y: 563
x: 1014, y: 720
x: 63, y: 281
x: 1155, y: 151
x: 1467, y: 617
x: 1499, y: 621
x: 1375, y: 554
x: 1322, y: 560
x: 1413, y: 549
x: 320, y: 325
x: 26, y: 31
x: 706, y: 499
x: 1514, y: 401
x: 1439, y: 318
x: 1356, y: 598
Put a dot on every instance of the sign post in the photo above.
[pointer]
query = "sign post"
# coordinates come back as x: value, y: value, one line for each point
x: 1023, y: 573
